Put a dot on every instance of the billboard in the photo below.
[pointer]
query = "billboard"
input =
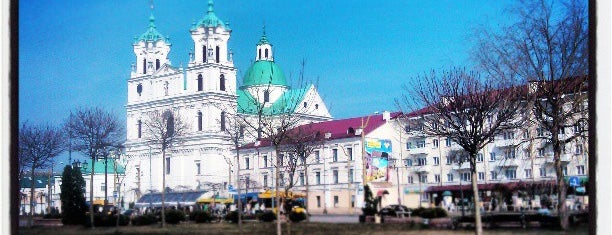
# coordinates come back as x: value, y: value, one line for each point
x: 378, y: 152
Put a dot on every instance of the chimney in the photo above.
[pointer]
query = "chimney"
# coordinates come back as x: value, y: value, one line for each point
x: 386, y: 116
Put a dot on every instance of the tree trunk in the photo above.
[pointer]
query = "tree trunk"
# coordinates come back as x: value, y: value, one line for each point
x: 478, y: 220
x: 561, y: 194
x: 276, y: 185
x: 91, y: 180
x: 238, y: 189
x: 31, y: 217
x: 163, y: 194
x: 306, y: 200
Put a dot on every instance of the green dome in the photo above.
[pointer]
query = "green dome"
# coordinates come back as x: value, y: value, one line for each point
x: 264, y: 72
x: 152, y: 35
x: 210, y: 19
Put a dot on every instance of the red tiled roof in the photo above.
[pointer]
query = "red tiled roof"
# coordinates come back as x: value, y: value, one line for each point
x: 339, y: 129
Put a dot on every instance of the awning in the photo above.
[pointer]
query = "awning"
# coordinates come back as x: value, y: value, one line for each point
x: 171, y: 199
x: 216, y: 200
x: 272, y: 194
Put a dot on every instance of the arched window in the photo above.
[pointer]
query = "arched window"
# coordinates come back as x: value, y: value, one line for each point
x: 223, y: 121
x: 259, y: 54
x: 139, y: 129
x: 217, y: 54
x: 266, y: 53
x: 166, y: 84
x: 204, y: 54
x: 144, y: 66
x: 200, y: 82
x: 316, y: 106
x: 222, y: 82
x: 305, y: 104
x: 156, y: 64
x: 139, y: 89
x: 199, y: 121
x: 266, y: 96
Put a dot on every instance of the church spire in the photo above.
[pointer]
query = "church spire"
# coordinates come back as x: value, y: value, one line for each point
x: 210, y: 7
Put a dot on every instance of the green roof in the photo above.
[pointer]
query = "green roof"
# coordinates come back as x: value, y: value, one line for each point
x: 264, y: 39
x: 39, y: 181
x: 210, y: 19
x: 99, y: 167
x: 287, y: 103
x: 264, y: 72
x: 152, y: 35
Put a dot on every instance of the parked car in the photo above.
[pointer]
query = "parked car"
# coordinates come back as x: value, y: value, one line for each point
x: 395, y: 210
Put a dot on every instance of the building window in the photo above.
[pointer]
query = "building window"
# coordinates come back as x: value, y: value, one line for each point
x: 422, y: 161
x: 542, y: 171
x: 351, y: 175
x: 266, y: 53
x: 259, y: 53
x: 349, y: 151
x: 437, y: 178
x: 281, y: 159
x: 335, y: 174
x: 580, y: 170
x: 511, y: 153
x: 565, y: 170
x: 408, y: 162
x: 246, y: 163
x: 317, y: 156
x: 479, y: 157
x: 466, y: 176
x: 410, y: 180
x: 436, y: 161
x: 334, y: 155
x: 540, y: 132
x: 144, y: 66
x: 318, y: 177
x: 449, y: 160
x: 481, y: 176
x: 316, y: 106
x: 139, y: 128
x: 156, y: 64
x: 266, y: 96
x: 448, y: 142
x: 352, y: 201
x: 265, y: 180
x: 301, y: 178
x: 436, y: 143
x: 449, y: 177
x: 167, y: 166
x: 578, y: 149
x: 199, y: 121
x: 510, y: 173
x: 198, y: 168
x: 265, y: 161
x: 423, y: 178
x: 492, y: 156
x: 493, y: 175
x: 204, y: 54
x: 508, y: 135
x: 222, y: 82
x: 527, y: 173
x: 217, y: 54
x: 223, y: 121
x: 103, y: 187
x: 200, y: 82
x: 319, y: 201
x: 139, y: 89
x: 336, y: 201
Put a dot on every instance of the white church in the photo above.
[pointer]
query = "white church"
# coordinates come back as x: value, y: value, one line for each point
x: 203, y: 94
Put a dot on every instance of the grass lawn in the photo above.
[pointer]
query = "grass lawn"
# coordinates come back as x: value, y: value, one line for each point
x: 260, y: 228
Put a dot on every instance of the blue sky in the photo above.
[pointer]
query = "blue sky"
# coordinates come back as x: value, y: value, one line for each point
x: 78, y: 53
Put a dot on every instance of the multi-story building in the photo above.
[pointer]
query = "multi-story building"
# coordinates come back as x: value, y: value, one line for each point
x: 41, y: 194
x: 204, y: 95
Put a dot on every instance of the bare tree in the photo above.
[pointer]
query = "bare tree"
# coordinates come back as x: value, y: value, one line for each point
x: 233, y: 127
x: 466, y: 108
x: 164, y: 129
x: 300, y: 146
x: 93, y: 130
x: 38, y: 146
x: 548, y: 47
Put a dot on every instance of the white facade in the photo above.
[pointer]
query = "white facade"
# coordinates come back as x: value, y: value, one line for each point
x: 203, y: 95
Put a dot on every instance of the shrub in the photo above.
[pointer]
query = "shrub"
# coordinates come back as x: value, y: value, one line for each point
x: 145, y: 219
x: 429, y: 213
x: 200, y: 216
x: 174, y: 216
x: 267, y: 216
x: 232, y: 216
x: 297, y: 216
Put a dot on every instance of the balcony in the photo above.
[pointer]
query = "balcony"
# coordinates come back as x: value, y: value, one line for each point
x: 464, y: 166
x: 565, y: 158
x: 503, y: 143
x: 415, y: 151
x: 421, y: 169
